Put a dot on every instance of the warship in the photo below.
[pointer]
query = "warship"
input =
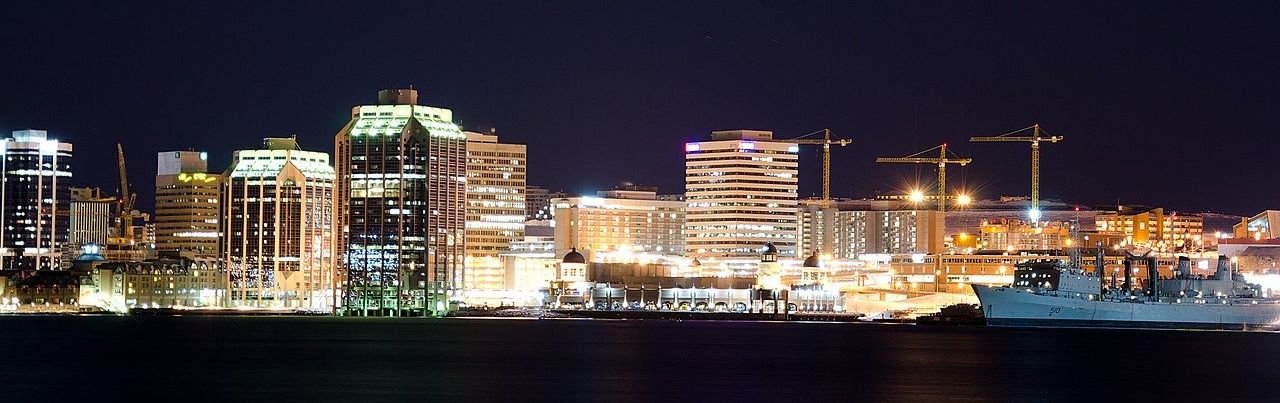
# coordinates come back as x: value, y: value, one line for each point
x: 1051, y: 293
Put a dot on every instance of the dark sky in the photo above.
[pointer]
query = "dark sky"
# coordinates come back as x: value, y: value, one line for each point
x: 1169, y: 105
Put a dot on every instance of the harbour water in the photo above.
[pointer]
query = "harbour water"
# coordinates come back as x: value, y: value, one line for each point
x: 177, y: 359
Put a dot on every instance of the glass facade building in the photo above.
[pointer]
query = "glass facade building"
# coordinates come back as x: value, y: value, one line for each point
x: 401, y: 194
x: 278, y: 220
x: 35, y: 201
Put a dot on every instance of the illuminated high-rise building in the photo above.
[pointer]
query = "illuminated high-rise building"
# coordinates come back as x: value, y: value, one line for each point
x: 495, y: 206
x: 35, y: 200
x: 401, y: 184
x: 741, y: 193
x: 619, y: 221
x: 278, y: 219
x: 187, y: 194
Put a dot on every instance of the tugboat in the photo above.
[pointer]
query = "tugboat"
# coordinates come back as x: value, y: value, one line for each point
x: 1049, y: 293
x: 958, y: 314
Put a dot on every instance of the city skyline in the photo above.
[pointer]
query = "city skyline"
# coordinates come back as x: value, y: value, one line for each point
x: 1087, y: 76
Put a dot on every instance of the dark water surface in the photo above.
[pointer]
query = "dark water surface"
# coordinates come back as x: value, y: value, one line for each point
x: 233, y: 359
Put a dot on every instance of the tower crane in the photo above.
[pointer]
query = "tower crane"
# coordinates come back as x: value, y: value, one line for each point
x: 942, y: 160
x: 1035, y: 138
x: 826, y: 143
x: 126, y: 199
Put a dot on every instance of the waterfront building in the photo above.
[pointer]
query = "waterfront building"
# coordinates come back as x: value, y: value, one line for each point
x: 401, y: 185
x: 278, y: 213
x: 740, y: 189
x: 187, y: 195
x: 173, y: 282
x: 90, y: 218
x: 633, y: 221
x: 35, y: 199
x: 1151, y: 227
x: 849, y: 229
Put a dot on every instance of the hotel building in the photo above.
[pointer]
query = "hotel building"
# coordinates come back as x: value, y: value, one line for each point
x: 186, y: 218
x: 278, y: 221
x: 740, y: 190
x: 35, y: 200
x: 401, y: 201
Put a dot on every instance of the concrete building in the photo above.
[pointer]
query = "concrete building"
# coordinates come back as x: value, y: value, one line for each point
x: 740, y: 188
x: 35, y: 200
x: 90, y: 219
x: 971, y: 217
x: 619, y: 220
x: 278, y: 205
x: 187, y: 195
x: 1151, y: 227
x: 852, y: 228
x: 402, y: 200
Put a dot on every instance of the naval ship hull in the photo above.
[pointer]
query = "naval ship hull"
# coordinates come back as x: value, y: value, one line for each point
x: 1010, y: 307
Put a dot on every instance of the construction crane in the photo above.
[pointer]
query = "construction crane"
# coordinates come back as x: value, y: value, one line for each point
x: 1035, y: 138
x: 826, y: 143
x: 942, y: 160
x: 126, y: 199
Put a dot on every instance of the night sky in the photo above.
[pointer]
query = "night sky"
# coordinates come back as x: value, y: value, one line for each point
x: 1167, y: 105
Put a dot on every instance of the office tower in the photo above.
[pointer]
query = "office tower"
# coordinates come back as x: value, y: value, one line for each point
x: 619, y: 221
x: 35, y: 200
x: 741, y: 193
x: 278, y: 218
x: 401, y: 180
x: 495, y: 206
x: 495, y: 194
x: 90, y: 219
x: 187, y: 194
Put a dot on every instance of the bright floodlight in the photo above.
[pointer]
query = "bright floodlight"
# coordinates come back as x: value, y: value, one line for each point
x: 1034, y: 214
x: 964, y: 200
x: 916, y: 196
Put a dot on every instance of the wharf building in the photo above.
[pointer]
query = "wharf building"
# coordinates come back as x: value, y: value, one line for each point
x: 35, y: 199
x: 402, y: 204
x: 278, y: 213
x: 740, y: 191
x: 495, y: 210
x: 165, y: 282
x: 626, y: 221
x: 187, y: 196
x: 850, y: 229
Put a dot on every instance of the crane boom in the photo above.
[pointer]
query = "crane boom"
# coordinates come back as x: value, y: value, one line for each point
x: 942, y: 160
x: 1035, y: 139
x: 126, y: 198
x: 826, y: 143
